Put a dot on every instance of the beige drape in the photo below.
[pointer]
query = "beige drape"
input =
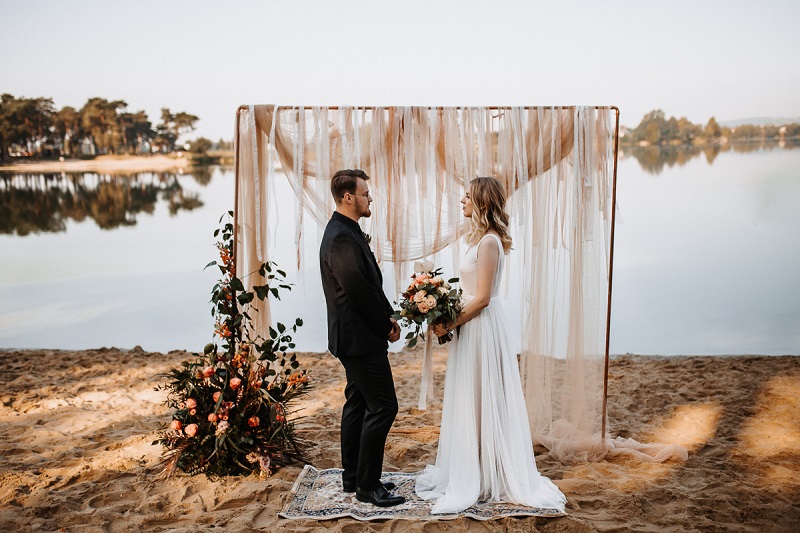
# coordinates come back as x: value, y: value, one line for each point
x: 556, y: 164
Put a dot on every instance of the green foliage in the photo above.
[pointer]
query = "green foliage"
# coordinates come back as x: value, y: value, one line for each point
x: 712, y: 129
x: 201, y: 145
x: 100, y: 120
x: 172, y: 126
x: 232, y: 402
x: 23, y: 121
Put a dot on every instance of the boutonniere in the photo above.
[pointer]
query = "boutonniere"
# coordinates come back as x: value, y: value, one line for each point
x: 367, y: 237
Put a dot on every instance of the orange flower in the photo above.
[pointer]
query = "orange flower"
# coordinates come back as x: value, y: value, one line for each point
x: 253, y: 421
x: 212, y: 417
x: 216, y: 396
x: 191, y: 403
x: 223, y: 331
x: 298, y: 377
x: 208, y: 371
x: 191, y: 430
x: 176, y: 425
x: 235, y: 383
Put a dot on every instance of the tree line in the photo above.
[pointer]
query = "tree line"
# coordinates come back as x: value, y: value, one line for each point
x: 656, y: 129
x: 34, y: 127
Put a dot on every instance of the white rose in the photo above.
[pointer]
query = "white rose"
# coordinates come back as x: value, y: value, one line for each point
x: 221, y: 428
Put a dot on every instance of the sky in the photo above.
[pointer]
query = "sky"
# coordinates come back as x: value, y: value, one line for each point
x: 728, y: 59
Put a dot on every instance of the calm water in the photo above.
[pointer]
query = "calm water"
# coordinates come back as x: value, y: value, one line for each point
x: 707, y: 257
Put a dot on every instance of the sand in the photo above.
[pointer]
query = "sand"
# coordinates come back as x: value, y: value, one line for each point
x: 77, y: 428
x: 106, y: 164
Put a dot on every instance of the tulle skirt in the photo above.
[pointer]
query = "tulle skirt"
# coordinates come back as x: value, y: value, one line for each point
x: 485, y: 452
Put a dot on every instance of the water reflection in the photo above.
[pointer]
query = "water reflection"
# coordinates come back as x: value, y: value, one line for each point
x: 653, y: 159
x: 36, y: 203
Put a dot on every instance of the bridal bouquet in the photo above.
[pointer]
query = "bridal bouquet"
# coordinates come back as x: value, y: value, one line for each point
x: 231, y: 404
x: 428, y: 299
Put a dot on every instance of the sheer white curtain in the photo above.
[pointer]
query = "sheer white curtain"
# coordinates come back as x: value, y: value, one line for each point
x: 556, y: 166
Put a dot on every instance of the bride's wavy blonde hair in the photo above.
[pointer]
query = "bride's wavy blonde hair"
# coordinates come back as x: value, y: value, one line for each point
x: 488, y: 211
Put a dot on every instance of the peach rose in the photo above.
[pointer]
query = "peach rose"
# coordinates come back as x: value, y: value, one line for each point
x: 191, y: 430
x: 423, y: 307
x: 212, y: 417
x: 191, y: 403
x: 208, y: 371
x: 216, y: 396
x: 430, y: 301
x: 437, y: 280
x: 253, y: 421
x: 235, y: 382
x: 418, y: 297
x: 176, y: 425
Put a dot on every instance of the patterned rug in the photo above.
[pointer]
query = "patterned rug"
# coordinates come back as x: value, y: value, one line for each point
x: 318, y: 495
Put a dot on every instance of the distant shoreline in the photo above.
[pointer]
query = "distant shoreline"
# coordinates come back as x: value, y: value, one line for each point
x: 104, y: 164
x: 118, y: 164
x: 706, y: 144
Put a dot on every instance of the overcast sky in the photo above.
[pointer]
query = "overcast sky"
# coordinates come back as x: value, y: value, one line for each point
x: 728, y: 59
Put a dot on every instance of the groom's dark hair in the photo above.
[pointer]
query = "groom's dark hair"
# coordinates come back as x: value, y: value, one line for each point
x: 345, y: 181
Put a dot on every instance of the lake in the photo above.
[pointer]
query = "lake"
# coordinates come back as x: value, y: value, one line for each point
x: 707, y: 256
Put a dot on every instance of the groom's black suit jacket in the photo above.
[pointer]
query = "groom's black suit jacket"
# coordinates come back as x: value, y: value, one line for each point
x: 358, y: 310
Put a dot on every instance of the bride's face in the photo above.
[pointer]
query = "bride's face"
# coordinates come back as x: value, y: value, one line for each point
x: 466, y: 205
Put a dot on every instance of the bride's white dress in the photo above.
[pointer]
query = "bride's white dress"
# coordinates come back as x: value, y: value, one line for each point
x: 485, y: 452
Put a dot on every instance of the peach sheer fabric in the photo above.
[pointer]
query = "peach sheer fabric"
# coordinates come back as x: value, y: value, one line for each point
x: 556, y: 165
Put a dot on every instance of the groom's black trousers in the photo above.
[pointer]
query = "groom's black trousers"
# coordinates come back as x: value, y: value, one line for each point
x: 369, y: 410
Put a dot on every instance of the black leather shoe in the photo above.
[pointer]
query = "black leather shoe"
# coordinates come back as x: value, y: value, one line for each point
x: 380, y: 497
x: 351, y: 487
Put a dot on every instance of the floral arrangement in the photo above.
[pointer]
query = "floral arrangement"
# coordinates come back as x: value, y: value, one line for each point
x: 428, y: 299
x: 231, y: 403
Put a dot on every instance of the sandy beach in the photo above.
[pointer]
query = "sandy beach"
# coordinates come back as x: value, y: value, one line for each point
x: 77, y: 429
x: 106, y: 164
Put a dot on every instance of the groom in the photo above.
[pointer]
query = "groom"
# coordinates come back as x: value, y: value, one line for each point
x: 359, y: 325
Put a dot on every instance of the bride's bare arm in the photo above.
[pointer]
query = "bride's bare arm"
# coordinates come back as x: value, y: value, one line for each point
x: 488, y: 256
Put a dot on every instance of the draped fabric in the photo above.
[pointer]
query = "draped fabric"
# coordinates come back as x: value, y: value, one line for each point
x: 556, y: 165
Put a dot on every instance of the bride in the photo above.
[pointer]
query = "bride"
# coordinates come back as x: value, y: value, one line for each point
x: 485, y: 452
